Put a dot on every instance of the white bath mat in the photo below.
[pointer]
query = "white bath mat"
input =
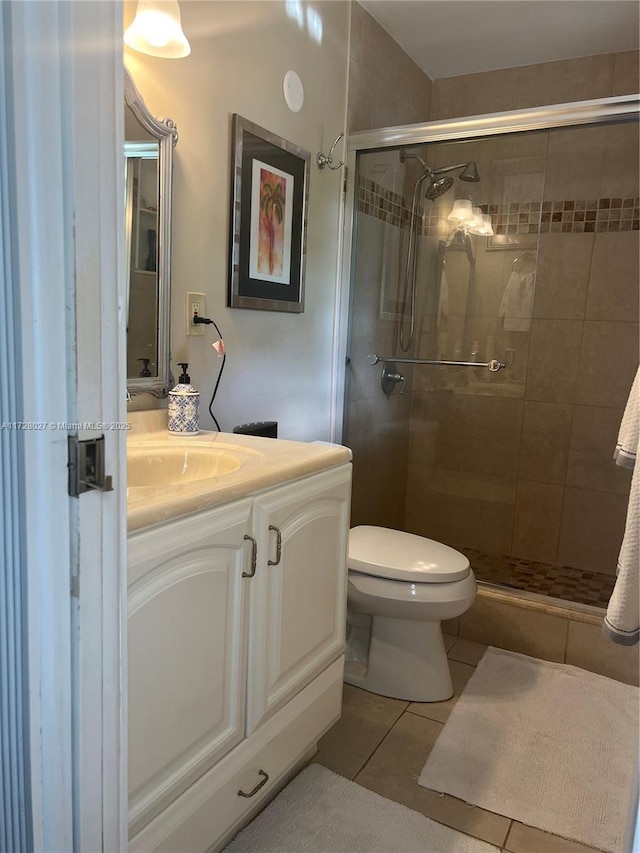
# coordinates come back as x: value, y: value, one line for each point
x: 546, y: 744
x: 320, y: 812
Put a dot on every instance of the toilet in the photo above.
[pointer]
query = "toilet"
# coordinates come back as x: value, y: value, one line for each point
x: 400, y: 588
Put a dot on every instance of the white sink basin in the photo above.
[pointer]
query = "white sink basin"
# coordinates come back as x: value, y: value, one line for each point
x: 171, y: 476
x: 178, y: 464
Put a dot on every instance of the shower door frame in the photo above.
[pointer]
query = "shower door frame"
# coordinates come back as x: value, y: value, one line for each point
x: 598, y: 111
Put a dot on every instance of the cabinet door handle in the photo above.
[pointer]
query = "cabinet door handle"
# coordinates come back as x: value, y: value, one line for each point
x: 278, y: 546
x: 254, y: 556
x: 255, y: 790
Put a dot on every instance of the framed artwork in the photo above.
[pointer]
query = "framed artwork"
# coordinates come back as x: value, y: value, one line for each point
x: 269, y: 194
x: 512, y: 241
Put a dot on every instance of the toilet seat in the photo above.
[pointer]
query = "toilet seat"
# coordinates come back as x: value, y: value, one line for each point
x: 426, y: 602
x: 398, y: 556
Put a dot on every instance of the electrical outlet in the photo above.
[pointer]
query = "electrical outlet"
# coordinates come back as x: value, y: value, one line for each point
x: 194, y: 305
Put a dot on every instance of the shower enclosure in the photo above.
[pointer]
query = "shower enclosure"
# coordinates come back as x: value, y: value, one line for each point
x: 535, y: 267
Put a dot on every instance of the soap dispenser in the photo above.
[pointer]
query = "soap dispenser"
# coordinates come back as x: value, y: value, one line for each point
x: 184, y: 406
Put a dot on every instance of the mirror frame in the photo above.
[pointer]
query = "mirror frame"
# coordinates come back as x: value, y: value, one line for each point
x: 166, y: 133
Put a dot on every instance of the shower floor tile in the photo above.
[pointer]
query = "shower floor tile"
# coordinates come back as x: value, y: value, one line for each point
x: 563, y: 582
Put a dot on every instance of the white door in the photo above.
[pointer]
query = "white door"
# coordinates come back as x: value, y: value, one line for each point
x: 61, y: 128
x: 298, y: 596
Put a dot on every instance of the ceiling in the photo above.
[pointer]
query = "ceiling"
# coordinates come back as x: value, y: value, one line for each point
x: 451, y: 37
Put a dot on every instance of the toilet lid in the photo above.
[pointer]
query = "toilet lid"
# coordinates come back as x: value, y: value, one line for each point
x: 401, y: 556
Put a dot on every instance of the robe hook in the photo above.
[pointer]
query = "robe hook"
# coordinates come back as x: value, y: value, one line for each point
x: 327, y: 159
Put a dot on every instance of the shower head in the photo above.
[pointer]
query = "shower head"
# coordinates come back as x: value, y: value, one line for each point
x: 438, y: 187
x: 470, y: 172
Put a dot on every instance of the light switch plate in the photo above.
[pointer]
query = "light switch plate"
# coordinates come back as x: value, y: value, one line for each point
x: 194, y: 303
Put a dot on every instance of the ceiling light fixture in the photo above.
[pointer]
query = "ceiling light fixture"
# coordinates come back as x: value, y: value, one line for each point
x: 157, y: 31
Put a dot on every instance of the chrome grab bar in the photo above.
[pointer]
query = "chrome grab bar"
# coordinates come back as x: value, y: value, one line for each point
x: 494, y: 365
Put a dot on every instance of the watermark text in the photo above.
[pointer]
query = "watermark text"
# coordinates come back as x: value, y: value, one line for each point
x: 64, y: 426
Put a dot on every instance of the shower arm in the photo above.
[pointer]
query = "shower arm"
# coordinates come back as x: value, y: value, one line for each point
x: 444, y: 169
x: 493, y: 365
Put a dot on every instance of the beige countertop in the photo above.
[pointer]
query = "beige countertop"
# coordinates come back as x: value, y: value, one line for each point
x: 264, y: 462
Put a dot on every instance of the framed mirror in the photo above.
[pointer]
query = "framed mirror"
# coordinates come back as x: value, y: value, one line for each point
x: 148, y: 151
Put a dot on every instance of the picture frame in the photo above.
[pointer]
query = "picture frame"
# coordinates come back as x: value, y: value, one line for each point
x: 518, y: 242
x: 268, y: 223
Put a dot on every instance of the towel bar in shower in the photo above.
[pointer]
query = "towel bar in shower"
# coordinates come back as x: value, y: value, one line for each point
x: 391, y: 377
x: 494, y: 365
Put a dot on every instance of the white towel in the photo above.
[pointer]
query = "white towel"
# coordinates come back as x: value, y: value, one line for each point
x: 622, y: 622
x: 629, y: 436
x: 517, y: 302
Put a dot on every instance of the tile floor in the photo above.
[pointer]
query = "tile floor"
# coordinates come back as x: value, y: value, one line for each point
x: 382, y: 744
x: 559, y: 582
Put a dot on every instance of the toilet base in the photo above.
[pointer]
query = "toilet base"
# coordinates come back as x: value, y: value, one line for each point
x: 407, y: 660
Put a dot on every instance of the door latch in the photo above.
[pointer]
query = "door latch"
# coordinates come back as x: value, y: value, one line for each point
x: 86, y: 466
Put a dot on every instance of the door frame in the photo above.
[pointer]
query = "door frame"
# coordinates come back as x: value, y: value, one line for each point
x: 64, y: 125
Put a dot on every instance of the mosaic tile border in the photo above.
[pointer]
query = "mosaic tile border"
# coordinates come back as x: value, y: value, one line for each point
x: 560, y: 582
x: 375, y: 200
x: 576, y: 216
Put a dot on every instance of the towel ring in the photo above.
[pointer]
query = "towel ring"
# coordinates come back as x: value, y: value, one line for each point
x: 523, y: 257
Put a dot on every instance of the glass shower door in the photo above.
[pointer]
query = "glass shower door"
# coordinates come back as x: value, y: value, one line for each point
x: 499, y: 465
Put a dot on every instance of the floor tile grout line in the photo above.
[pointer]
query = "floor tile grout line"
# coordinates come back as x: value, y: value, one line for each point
x: 510, y: 821
x: 503, y: 846
x: 466, y: 662
x: 377, y: 746
x: 473, y: 806
x: 423, y: 717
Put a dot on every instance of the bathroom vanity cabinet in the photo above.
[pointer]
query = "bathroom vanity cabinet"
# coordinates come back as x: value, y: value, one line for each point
x: 236, y: 639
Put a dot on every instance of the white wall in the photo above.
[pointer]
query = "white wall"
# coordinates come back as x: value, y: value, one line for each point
x: 278, y: 365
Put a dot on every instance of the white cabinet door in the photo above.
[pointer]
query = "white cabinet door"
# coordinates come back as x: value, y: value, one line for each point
x: 187, y: 652
x: 297, y: 597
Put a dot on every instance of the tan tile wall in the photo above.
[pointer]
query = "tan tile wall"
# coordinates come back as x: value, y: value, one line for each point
x: 532, y: 476
x: 386, y: 87
x: 550, y: 633
x: 582, y: 358
x: 536, y: 85
x: 376, y: 426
